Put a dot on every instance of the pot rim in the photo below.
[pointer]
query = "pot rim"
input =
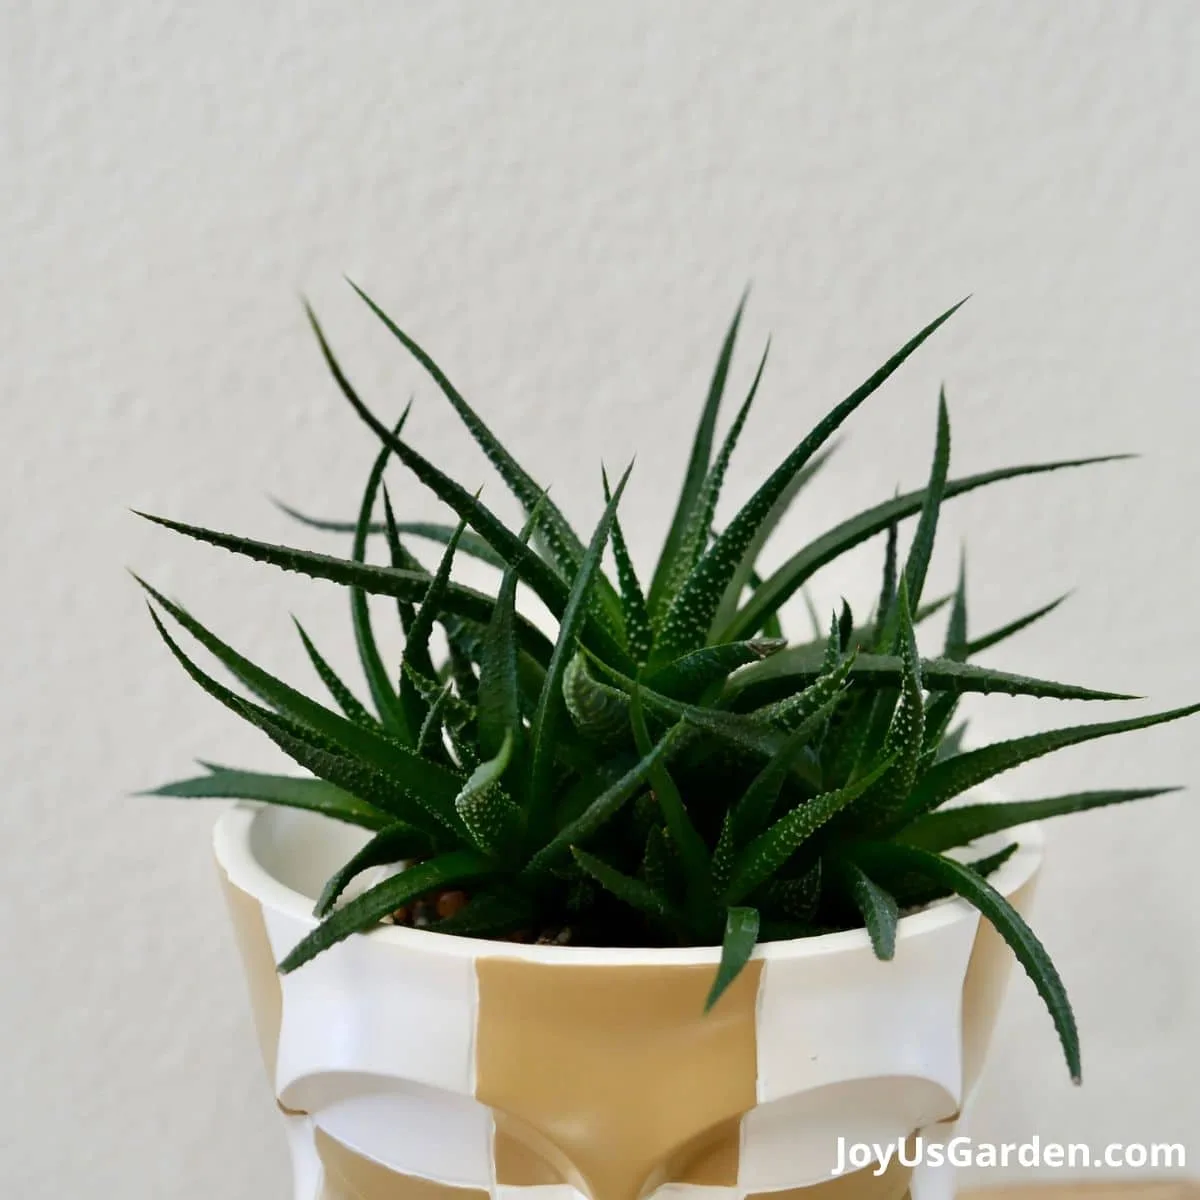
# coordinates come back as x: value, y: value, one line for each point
x: 233, y: 846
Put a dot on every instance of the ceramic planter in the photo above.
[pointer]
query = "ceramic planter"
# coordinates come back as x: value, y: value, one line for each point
x: 415, y: 1066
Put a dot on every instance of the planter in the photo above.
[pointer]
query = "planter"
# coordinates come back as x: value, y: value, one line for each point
x: 415, y: 1066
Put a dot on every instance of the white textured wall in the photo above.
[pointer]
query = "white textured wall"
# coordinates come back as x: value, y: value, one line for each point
x: 564, y: 201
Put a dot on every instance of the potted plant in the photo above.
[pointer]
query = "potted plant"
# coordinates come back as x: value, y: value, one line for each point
x: 657, y: 900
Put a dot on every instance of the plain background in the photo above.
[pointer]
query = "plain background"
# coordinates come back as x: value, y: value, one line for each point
x: 564, y: 202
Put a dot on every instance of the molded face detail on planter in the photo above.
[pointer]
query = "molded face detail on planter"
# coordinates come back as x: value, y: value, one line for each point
x: 413, y: 1066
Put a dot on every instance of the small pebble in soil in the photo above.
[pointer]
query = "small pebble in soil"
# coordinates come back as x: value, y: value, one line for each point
x: 448, y: 903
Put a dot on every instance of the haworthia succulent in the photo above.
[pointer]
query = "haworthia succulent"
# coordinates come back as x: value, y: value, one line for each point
x: 664, y: 767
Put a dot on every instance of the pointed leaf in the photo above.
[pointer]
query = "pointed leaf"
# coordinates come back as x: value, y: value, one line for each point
x: 598, y: 711
x: 697, y: 469
x: 700, y: 523
x: 315, y: 795
x: 906, y: 731
x: 737, y: 946
x: 398, y: 841
x: 539, y: 575
x: 692, y: 611
x: 753, y: 809
x: 1008, y: 923
x: 387, y: 702
x: 606, y: 805
x: 376, y: 750
x: 979, y: 645
x: 746, y: 574
x: 376, y: 580
x: 561, y: 540
x: 416, y: 645
x: 315, y: 753
x: 551, y: 705
x: 686, y: 839
x: 795, y: 573
x: 366, y: 911
x: 491, y: 818
x: 770, y: 850
x: 638, y: 633
x: 953, y: 776
x: 798, y: 667
x: 690, y: 676
x: 630, y: 891
x: 917, y: 566
x: 957, y: 826
x: 343, y: 697
x: 879, y: 909
x: 470, y: 543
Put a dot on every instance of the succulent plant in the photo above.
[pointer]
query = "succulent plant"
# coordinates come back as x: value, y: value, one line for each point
x: 666, y: 769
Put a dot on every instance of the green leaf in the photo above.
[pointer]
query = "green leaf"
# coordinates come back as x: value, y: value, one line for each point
x: 798, y: 708
x: 958, y: 826
x: 692, y: 611
x: 697, y: 470
x: 315, y: 795
x: 700, y: 523
x: 343, y: 697
x: 750, y: 731
x: 376, y: 750
x: 915, y: 891
x: 796, y: 899
x: 551, y: 706
x: 416, y: 644
x: 887, y: 589
x: 376, y: 580
x: 979, y: 645
x: 387, y: 703
x: 771, y: 849
x: 741, y: 934
x: 799, y: 667
x: 433, y: 727
x: 1008, y: 923
x: 366, y: 911
x: 796, y: 572
x: 638, y: 632
x: 598, y: 711
x: 470, y: 544
x: 753, y: 810
x: 398, y: 841
x: 953, y: 776
x: 605, y: 806
x: 957, y: 646
x: 499, y: 683
x: 539, y: 575
x: 691, y: 675
x: 628, y: 890
x: 693, y: 852
x: 879, y: 909
x: 401, y: 559
x: 560, y: 539
x: 746, y: 575
x: 491, y: 818
x: 905, y: 736
x: 917, y: 566
x: 316, y: 753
